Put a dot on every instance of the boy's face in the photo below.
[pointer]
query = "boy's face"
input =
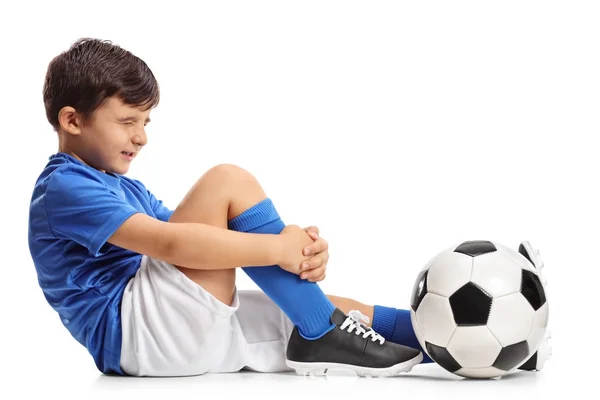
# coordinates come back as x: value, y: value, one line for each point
x: 113, y: 137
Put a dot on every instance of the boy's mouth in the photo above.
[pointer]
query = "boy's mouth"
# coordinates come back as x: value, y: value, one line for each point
x: 128, y: 154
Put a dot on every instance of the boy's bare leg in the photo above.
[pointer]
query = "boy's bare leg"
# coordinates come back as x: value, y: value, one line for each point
x: 222, y: 193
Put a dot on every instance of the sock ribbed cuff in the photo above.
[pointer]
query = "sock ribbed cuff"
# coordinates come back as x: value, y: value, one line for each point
x: 256, y: 216
x: 384, y: 321
x: 312, y: 323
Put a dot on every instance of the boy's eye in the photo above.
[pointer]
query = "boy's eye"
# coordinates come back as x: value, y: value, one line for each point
x: 131, y: 122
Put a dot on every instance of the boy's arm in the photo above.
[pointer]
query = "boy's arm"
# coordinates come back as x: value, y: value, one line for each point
x: 81, y: 208
x: 195, y: 245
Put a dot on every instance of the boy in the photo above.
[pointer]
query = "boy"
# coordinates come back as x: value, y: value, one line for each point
x: 150, y: 291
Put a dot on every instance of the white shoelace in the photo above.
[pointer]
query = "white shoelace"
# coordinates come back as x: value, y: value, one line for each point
x: 354, y: 322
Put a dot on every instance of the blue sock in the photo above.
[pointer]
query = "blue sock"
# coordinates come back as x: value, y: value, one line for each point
x: 395, y: 325
x: 302, y: 301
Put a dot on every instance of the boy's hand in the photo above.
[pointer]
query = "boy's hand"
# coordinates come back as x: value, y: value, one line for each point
x: 314, y: 269
x: 293, y: 242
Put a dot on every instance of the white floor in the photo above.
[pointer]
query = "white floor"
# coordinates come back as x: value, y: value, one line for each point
x: 424, y: 381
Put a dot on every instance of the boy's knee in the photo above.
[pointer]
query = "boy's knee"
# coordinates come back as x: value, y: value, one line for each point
x: 222, y: 173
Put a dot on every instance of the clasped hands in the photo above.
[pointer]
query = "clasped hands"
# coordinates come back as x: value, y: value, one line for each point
x: 304, y: 253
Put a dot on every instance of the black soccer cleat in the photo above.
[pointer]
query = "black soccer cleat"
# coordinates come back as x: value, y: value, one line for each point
x: 351, y: 345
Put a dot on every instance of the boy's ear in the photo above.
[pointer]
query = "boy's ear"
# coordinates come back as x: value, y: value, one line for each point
x: 69, y: 120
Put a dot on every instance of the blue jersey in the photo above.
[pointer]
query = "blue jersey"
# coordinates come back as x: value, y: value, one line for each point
x: 74, y: 210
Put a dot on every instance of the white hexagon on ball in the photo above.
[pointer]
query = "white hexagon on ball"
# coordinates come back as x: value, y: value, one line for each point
x: 473, y: 347
x: 511, y: 318
x: 435, y: 320
x: 497, y: 274
x: 449, y: 273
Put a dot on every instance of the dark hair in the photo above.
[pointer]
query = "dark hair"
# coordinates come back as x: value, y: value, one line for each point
x: 90, y: 72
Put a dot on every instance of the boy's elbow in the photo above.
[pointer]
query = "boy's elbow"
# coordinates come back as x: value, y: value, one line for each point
x: 164, y: 250
x: 173, y: 247
x: 167, y: 247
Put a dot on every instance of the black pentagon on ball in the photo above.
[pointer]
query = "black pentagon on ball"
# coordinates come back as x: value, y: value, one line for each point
x: 530, y: 364
x: 532, y: 289
x: 511, y: 356
x: 476, y: 248
x: 441, y: 356
x: 470, y: 305
x: 419, y: 290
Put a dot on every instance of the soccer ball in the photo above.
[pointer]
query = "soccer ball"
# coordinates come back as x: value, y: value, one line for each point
x: 479, y: 309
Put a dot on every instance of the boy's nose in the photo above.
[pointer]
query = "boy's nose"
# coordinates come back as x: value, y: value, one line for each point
x: 140, y: 138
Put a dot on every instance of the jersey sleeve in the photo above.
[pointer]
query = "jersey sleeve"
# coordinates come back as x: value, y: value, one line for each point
x: 162, y: 212
x: 84, y: 209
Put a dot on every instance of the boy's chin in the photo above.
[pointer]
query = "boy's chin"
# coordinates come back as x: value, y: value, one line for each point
x: 120, y: 170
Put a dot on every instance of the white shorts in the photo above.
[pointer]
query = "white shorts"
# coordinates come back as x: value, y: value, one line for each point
x: 173, y: 327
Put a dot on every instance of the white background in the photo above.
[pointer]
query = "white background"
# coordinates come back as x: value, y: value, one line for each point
x: 399, y: 128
